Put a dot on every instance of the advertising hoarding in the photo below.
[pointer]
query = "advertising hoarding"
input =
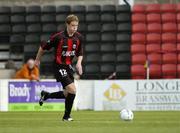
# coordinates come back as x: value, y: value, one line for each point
x: 24, y: 96
x: 137, y: 95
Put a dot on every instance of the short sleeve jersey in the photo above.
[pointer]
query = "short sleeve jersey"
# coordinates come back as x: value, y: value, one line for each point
x: 65, y: 47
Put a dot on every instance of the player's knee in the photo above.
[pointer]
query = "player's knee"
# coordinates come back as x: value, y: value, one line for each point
x: 71, y: 89
x: 65, y: 93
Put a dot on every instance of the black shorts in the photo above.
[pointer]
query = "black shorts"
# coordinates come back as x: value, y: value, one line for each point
x: 64, y: 74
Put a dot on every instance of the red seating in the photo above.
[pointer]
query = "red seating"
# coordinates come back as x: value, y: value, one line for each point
x: 139, y: 8
x: 169, y: 58
x: 168, y: 8
x: 169, y: 71
x: 138, y: 72
x: 139, y: 28
x: 168, y: 38
x: 139, y: 58
x: 153, y: 8
x: 138, y: 18
x: 178, y: 37
x: 178, y: 17
x: 177, y: 7
x: 178, y: 27
x: 168, y: 17
x: 153, y: 18
x: 169, y: 27
x: 155, y: 58
x: 153, y: 48
x: 178, y: 48
x: 138, y: 48
x: 156, y: 37
x: 168, y: 47
x: 138, y: 38
x: 178, y: 70
x: 178, y: 58
x: 155, y: 71
x: 153, y: 38
x: 154, y: 28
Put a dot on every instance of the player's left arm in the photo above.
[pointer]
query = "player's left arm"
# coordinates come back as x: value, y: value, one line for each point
x: 79, y: 55
x: 79, y: 65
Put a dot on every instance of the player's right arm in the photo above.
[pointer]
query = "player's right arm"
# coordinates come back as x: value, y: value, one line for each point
x: 45, y: 45
x: 38, y: 56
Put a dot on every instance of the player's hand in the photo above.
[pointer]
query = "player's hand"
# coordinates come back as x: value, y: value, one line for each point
x: 79, y: 68
x: 37, y: 62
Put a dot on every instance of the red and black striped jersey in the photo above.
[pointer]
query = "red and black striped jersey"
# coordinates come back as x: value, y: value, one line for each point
x: 65, y: 47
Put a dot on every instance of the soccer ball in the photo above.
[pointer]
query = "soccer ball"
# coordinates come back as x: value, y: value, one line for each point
x: 126, y: 114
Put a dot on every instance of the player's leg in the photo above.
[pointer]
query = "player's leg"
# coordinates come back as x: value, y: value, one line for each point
x: 54, y: 95
x: 71, y: 93
x: 43, y: 97
x: 58, y: 95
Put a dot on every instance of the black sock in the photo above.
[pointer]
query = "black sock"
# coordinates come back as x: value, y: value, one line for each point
x: 56, y: 95
x: 68, y: 104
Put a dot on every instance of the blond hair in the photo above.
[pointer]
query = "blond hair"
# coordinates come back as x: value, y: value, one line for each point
x: 71, y: 18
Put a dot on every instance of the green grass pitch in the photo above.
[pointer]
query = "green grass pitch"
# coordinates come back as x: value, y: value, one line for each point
x: 90, y: 122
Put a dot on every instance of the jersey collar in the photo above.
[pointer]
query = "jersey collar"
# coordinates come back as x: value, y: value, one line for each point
x: 66, y: 33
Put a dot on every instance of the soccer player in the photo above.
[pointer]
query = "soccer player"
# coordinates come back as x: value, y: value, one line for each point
x: 67, y: 44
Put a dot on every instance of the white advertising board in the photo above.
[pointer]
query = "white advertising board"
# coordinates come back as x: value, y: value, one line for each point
x: 137, y: 94
x: 84, y: 95
x: 131, y: 2
x: 118, y: 94
x: 3, y: 95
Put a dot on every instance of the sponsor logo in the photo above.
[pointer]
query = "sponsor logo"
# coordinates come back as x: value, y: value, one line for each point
x: 64, y: 46
x: 20, y: 91
x: 68, y: 53
x: 114, y: 93
x: 74, y: 46
x: 158, y: 86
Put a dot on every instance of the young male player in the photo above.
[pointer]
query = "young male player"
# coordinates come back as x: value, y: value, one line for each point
x: 67, y: 44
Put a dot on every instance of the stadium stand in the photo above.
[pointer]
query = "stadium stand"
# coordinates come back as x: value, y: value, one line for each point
x: 5, y: 29
x: 124, y: 58
x: 159, y: 25
x: 154, y: 28
x: 139, y: 8
x: 139, y: 28
x: 6, y: 10
x: 123, y: 47
x: 153, y: 8
x: 123, y: 71
x: 153, y: 18
x: 155, y: 58
x: 47, y: 64
x: 117, y: 38
x: 63, y: 9
x: 34, y: 9
x: 138, y: 48
x: 106, y: 70
x: 153, y: 48
x: 169, y: 71
x: 90, y: 70
x: 155, y: 71
x: 138, y: 72
x: 170, y: 8
x: 48, y: 9
x: 138, y: 38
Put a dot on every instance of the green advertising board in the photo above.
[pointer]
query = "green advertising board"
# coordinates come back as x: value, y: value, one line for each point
x: 36, y: 107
